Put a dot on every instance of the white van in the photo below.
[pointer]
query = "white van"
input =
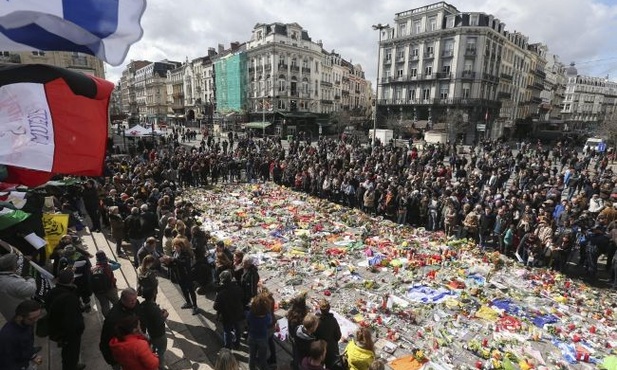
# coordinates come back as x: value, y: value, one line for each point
x: 593, y: 143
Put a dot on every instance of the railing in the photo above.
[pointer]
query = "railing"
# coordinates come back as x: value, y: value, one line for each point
x: 468, y: 74
x: 306, y: 70
x: 295, y: 69
x: 326, y: 101
x: 447, y: 53
x: 504, y: 95
x: 444, y: 75
x: 506, y: 76
x: 326, y: 83
x: 282, y: 67
x: 470, y: 52
x: 268, y: 67
x: 429, y: 55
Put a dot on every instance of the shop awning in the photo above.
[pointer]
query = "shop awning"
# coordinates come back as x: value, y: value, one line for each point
x: 258, y: 124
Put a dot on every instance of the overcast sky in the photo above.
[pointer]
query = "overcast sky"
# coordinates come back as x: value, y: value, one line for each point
x: 582, y: 31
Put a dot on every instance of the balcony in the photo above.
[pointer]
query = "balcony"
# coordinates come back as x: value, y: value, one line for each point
x: 326, y: 83
x: 414, y: 57
x: 504, y: 95
x: 429, y: 55
x: 536, y: 100
x: 326, y: 101
x: 444, y: 75
x: 447, y: 53
x: 178, y: 95
x: 470, y: 52
x: 538, y: 86
x: 427, y: 76
x: 540, y: 73
x: 268, y: 67
x: 295, y: 68
x: 400, y: 59
x: 388, y: 60
x: 306, y: 70
x: 282, y: 67
x: 337, y: 97
x: 468, y: 74
x: 506, y: 76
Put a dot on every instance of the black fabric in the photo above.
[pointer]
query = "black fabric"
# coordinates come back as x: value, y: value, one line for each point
x: 79, y: 83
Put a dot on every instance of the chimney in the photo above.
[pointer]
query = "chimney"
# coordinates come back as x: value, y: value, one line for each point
x: 235, y: 46
x: 320, y: 43
x: 211, y: 52
x: 221, y: 48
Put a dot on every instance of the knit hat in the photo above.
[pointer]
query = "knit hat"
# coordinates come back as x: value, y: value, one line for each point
x: 8, y: 262
x: 69, y: 250
x: 65, y: 277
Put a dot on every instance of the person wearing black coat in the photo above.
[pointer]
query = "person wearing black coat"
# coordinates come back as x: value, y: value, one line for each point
x: 249, y: 280
x: 330, y: 331
x: 128, y: 305
x: 66, y: 321
x: 153, y: 322
x: 229, y: 307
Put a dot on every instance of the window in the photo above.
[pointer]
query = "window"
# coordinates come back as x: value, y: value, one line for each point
x: 399, y: 73
x: 281, y: 60
x: 411, y: 94
x: 468, y: 66
x: 443, y: 91
x: 450, y: 22
x: 415, y: 52
x: 38, y: 53
x: 426, y: 93
x: 428, y: 70
x: 432, y: 24
x: 466, y: 90
x: 417, y: 26
x: 471, y: 43
x: 293, y: 62
x: 388, y: 54
x: 473, y: 20
x: 305, y: 63
x: 402, y: 30
x: 413, y: 72
x: 430, y: 50
x: 445, y: 69
x: 259, y: 35
x: 282, y: 84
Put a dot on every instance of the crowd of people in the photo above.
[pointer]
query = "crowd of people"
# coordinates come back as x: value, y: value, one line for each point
x: 545, y: 206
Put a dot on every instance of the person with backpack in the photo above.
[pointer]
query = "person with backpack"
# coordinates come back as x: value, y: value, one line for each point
x: 146, y: 276
x: 103, y: 282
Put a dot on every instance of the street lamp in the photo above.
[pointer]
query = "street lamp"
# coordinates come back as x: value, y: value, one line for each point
x: 376, y: 27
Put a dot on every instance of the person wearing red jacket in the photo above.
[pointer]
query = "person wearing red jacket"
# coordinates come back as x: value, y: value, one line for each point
x: 130, y: 348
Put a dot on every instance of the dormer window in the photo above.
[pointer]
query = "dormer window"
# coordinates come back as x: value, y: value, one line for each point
x: 259, y: 35
x: 294, y: 35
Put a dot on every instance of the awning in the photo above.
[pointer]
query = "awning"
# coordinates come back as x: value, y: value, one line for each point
x: 258, y: 124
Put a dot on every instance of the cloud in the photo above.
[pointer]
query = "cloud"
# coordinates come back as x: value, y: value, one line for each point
x: 575, y: 30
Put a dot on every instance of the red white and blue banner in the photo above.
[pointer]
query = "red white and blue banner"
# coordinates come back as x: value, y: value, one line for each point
x: 52, y: 121
x: 104, y: 28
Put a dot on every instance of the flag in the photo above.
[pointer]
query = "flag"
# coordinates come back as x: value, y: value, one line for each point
x: 56, y: 225
x: 10, y: 217
x: 104, y: 28
x: 52, y: 121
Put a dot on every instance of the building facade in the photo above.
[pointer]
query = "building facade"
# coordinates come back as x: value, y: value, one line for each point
x: 588, y: 101
x: 74, y: 61
x: 151, y: 91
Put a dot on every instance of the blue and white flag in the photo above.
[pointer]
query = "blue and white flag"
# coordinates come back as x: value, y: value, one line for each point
x: 104, y: 28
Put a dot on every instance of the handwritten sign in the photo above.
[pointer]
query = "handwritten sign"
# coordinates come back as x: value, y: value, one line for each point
x: 56, y: 225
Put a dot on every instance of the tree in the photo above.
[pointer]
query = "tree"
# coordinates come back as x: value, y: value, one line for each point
x: 607, y: 129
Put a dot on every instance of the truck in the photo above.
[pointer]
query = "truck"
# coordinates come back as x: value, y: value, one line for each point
x: 383, y: 135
